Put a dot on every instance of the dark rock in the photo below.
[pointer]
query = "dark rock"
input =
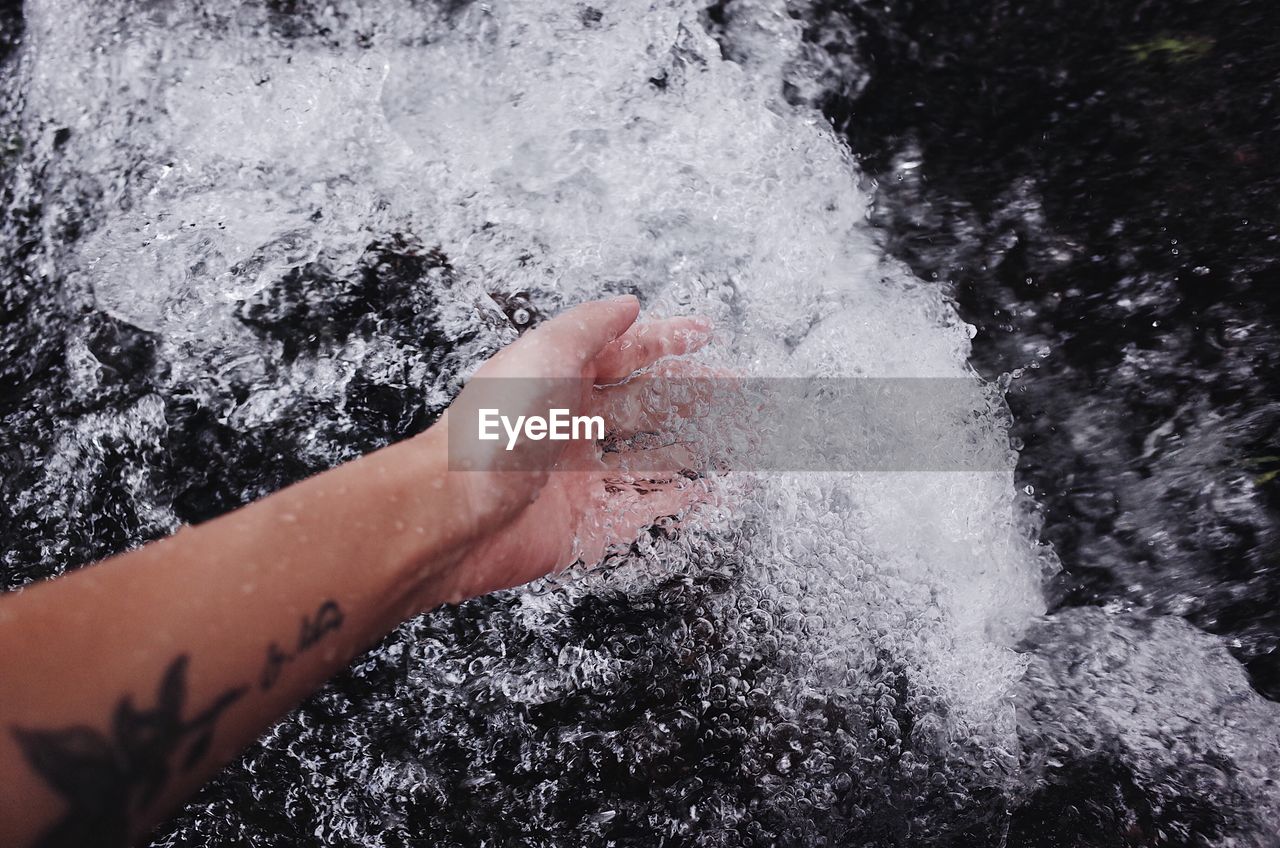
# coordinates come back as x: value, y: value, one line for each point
x: 1090, y: 180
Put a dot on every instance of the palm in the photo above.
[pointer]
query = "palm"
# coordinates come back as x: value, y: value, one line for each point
x: 535, y: 542
x: 530, y: 521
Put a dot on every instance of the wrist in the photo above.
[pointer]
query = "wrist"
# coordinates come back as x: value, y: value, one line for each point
x: 434, y: 526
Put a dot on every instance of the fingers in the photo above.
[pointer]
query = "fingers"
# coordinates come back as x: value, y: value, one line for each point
x: 675, y: 391
x: 645, y: 344
x: 658, y: 464
x: 601, y: 333
x: 583, y: 331
x: 630, y: 508
x: 564, y: 345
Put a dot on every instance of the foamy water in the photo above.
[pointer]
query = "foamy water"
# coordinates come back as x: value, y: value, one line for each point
x: 847, y: 638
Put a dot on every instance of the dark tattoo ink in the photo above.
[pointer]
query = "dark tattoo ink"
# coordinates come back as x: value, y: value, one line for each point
x: 108, y: 777
x: 313, y: 628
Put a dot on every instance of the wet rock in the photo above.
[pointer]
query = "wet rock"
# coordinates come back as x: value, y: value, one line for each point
x: 10, y: 26
x: 1094, y: 194
x: 390, y: 293
x: 1141, y: 731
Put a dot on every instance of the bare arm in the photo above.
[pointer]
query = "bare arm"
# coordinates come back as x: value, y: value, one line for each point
x: 125, y: 685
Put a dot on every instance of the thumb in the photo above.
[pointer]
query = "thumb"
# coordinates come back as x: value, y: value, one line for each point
x: 581, y: 333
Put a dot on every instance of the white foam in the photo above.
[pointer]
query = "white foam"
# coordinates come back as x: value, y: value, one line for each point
x: 538, y: 153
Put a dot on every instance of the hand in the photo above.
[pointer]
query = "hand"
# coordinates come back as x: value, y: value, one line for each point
x: 314, y: 574
x: 549, y: 503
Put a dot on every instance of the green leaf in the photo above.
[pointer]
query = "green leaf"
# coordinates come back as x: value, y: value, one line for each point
x: 1174, y: 49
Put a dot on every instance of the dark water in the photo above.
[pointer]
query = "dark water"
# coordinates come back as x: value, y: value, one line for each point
x: 1098, y: 183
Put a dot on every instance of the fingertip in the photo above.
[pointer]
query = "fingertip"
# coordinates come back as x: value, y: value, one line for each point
x: 588, y: 327
x: 698, y: 330
x: 628, y: 306
x: 623, y: 311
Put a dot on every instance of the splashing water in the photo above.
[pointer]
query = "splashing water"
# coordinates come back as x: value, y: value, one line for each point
x: 273, y: 236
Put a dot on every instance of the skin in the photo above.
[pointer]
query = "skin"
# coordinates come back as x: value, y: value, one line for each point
x: 128, y: 683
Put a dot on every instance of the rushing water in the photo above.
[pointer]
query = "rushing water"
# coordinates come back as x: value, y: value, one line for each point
x: 246, y: 244
x: 1100, y: 198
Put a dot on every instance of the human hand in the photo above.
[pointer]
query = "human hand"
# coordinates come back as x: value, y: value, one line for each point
x: 548, y: 503
x: 312, y: 575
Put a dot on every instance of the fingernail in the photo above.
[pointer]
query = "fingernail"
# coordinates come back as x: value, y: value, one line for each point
x: 622, y: 297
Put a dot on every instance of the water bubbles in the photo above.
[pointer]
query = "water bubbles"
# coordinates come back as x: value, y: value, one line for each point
x: 1116, y: 691
x: 351, y: 227
x: 1238, y: 334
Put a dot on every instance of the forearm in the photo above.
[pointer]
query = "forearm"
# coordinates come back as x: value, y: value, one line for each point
x: 124, y: 685
x: 115, y: 677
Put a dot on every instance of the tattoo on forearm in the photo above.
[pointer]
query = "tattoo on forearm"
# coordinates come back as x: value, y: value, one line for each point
x: 109, y: 777
x: 313, y: 628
